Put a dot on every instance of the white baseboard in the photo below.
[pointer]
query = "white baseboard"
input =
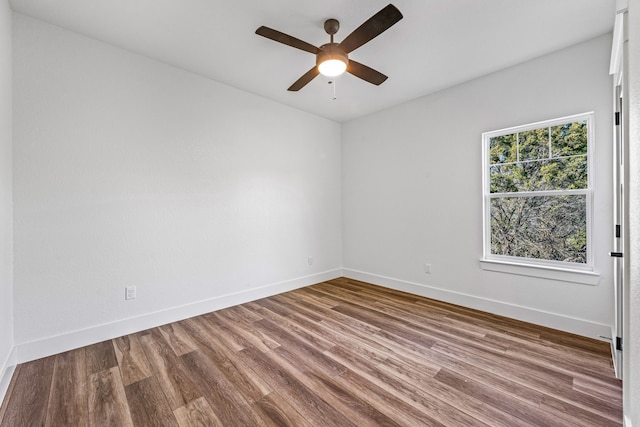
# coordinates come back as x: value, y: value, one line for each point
x: 627, y: 422
x: 6, y: 372
x: 526, y: 314
x: 60, y: 343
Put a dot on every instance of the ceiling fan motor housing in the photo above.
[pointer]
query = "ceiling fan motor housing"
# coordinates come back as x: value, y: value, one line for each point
x: 331, y: 51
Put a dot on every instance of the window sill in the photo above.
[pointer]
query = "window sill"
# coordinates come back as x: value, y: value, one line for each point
x: 543, y: 272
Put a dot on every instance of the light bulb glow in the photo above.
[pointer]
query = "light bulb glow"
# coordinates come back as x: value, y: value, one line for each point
x: 332, y: 67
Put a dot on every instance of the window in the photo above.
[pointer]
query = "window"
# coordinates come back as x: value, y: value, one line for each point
x: 538, y: 194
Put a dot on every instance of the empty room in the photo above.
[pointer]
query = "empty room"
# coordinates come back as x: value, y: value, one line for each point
x: 285, y: 213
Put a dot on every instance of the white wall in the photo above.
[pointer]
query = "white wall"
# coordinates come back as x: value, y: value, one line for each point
x: 631, y: 340
x: 412, y: 189
x: 130, y: 172
x: 6, y: 209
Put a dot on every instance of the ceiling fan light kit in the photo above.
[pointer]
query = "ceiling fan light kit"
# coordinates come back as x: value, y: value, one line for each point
x: 332, y: 59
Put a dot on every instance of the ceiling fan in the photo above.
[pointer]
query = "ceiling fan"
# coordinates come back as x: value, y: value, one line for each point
x: 332, y: 59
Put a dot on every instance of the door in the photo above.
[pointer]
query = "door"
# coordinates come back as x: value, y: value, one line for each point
x: 620, y: 250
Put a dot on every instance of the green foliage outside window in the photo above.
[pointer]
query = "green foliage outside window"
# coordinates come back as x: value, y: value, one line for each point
x: 550, y: 226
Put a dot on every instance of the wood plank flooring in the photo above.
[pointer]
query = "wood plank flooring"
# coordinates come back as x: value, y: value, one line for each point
x: 339, y: 353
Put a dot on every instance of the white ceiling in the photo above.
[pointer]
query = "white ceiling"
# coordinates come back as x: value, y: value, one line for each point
x: 439, y: 43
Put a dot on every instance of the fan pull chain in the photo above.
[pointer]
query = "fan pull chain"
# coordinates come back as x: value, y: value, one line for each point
x: 333, y: 82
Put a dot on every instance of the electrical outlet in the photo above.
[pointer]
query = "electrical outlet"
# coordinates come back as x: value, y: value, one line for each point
x: 310, y: 260
x: 427, y: 268
x: 130, y: 292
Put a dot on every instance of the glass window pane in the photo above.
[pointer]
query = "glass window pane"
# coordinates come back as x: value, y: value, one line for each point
x: 558, y: 174
x: 503, y: 149
x: 569, y: 139
x: 543, y: 227
x: 534, y: 144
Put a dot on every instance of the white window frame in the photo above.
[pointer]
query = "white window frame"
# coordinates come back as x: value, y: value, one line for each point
x: 559, y: 270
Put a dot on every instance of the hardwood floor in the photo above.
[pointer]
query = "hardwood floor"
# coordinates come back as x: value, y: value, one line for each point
x: 340, y: 353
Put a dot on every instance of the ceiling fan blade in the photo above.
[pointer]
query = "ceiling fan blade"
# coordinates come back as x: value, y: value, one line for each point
x: 306, y: 78
x: 365, y: 73
x: 371, y: 28
x: 283, y: 38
